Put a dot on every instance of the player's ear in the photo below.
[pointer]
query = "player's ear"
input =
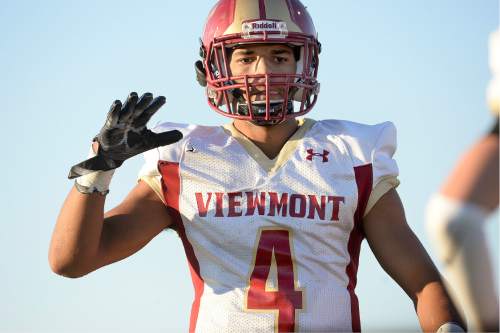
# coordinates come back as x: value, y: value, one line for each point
x: 201, y: 74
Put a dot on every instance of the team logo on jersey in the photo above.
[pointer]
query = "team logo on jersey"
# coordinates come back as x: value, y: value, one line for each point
x: 311, y: 154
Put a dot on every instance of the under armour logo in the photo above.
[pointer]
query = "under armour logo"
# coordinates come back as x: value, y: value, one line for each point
x: 311, y: 154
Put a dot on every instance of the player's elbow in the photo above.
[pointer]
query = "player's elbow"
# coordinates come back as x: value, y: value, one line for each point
x: 68, y: 271
x: 66, y: 267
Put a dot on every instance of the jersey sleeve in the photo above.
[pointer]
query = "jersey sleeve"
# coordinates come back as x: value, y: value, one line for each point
x: 372, y: 145
x: 151, y: 176
x: 385, y: 169
x: 149, y: 172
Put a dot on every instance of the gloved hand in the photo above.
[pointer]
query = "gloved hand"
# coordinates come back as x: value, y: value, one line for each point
x: 125, y: 134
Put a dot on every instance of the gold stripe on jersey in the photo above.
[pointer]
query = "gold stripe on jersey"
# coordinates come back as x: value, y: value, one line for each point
x: 384, y: 185
x: 155, y: 183
x: 271, y: 165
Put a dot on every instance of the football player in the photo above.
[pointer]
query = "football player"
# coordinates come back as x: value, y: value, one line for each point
x: 271, y: 209
x: 457, y: 214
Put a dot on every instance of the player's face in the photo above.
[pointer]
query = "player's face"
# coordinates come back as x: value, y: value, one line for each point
x: 263, y: 59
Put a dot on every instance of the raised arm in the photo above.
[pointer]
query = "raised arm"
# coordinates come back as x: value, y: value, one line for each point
x: 84, y: 238
x: 403, y: 257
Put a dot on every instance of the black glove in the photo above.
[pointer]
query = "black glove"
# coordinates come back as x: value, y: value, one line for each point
x: 125, y: 134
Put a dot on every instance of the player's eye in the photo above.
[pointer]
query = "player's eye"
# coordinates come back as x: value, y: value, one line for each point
x: 280, y: 59
x: 245, y: 60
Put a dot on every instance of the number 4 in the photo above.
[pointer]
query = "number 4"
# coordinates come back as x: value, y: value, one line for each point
x: 286, y: 299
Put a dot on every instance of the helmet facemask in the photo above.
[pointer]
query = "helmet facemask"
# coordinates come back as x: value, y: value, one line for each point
x: 231, y: 95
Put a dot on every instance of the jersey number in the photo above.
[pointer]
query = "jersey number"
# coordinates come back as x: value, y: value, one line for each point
x: 286, y: 299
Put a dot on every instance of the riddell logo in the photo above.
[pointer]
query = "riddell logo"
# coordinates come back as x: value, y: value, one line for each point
x: 276, y: 28
x: 266, y: 25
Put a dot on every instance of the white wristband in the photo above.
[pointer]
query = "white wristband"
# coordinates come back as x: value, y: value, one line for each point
x: 97, y: 181
x: 449, y: 328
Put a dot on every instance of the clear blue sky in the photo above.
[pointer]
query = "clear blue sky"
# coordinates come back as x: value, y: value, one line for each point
x: 421, y: 64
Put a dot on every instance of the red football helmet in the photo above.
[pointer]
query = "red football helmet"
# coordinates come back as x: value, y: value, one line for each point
x: 232, y: 23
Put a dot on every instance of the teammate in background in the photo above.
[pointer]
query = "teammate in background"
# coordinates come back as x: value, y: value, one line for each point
x: 271, y: 209
x: 456, y: 217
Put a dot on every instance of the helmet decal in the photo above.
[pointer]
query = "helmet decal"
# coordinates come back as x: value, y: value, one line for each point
x: 260, y: 28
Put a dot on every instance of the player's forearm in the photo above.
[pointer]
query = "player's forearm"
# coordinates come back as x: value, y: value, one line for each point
x: 75, y: 239
x: 426, y: 288
x: 434, y: 307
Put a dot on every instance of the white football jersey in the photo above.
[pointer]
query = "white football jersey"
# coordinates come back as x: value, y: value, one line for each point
x: 273, y: 245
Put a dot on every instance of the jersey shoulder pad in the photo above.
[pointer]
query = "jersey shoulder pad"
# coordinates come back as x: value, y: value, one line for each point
x: 373, y: 145
x: 363, y: 142
x: 173, y: 152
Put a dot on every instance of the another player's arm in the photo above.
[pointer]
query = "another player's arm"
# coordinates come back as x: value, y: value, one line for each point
x: 85, y: 239
x: 403, y: 257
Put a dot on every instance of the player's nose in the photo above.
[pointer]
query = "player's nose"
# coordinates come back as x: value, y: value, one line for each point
x: 263, y: 65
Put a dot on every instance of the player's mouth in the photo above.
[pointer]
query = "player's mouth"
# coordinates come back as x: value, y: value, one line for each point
x: 260, y: 96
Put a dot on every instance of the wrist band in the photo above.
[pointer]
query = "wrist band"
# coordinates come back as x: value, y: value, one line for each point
x: 97, y: 181
x: 89, y: 190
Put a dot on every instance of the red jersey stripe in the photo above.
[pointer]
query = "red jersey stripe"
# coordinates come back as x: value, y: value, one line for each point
x: 364, y: 182
x: 170, y: 183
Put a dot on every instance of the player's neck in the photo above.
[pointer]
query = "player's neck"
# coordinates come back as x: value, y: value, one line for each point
x: 270, y: 139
